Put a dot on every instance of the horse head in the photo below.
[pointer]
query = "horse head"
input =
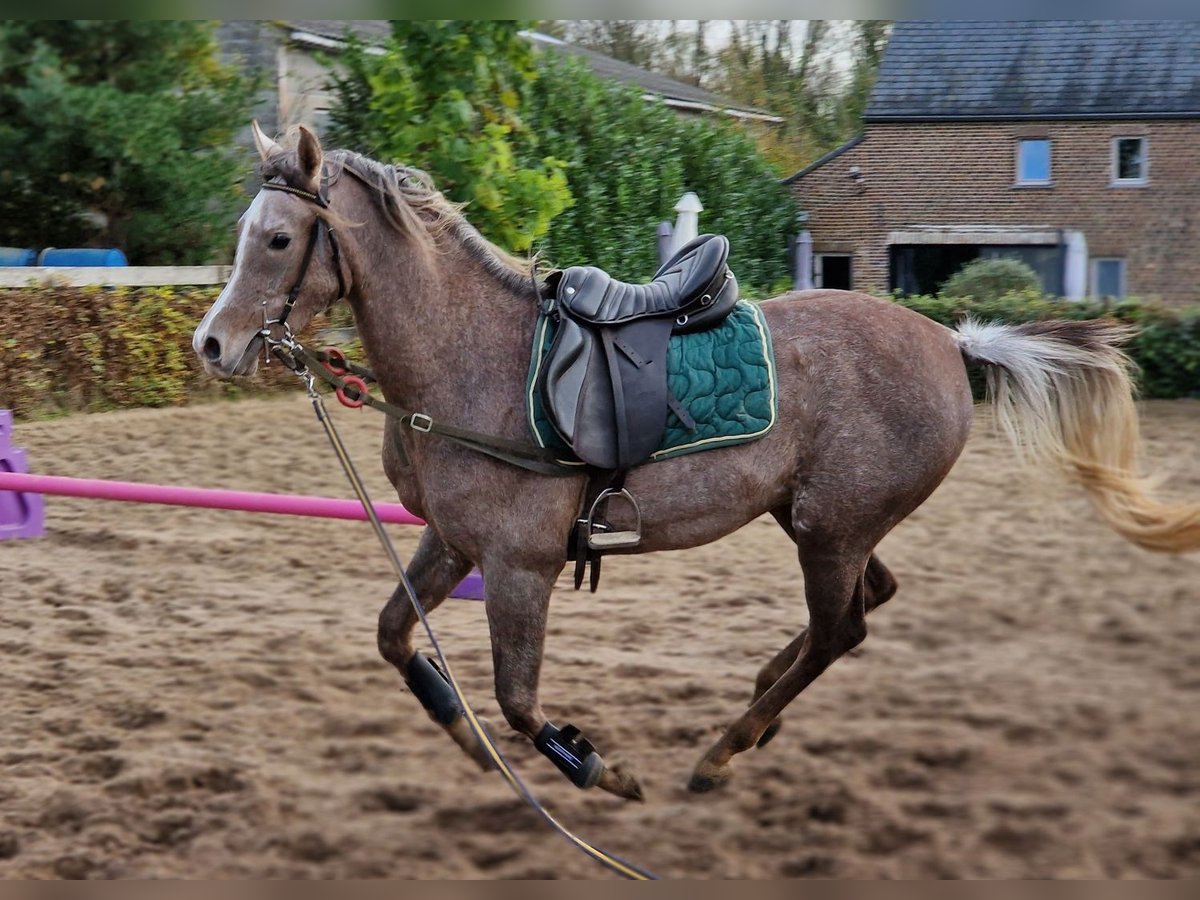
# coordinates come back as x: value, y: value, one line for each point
x: 283, y: 272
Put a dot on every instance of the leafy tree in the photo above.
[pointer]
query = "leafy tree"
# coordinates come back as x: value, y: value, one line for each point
x: 816, y: 75
x: 447, y: 97
x: 634, y: 41
x: 119, y: 133
x: 819, y: 85
x: 617, y: 163
x: 628, y: 162
x: 679, y: 52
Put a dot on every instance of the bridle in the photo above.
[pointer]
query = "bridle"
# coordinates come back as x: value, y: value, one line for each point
x: 319, y: 222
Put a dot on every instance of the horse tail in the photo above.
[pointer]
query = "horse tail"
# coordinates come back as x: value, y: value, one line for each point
x: 1064, y: 395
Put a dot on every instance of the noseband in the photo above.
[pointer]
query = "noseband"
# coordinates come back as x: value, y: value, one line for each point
x: 313, y: 235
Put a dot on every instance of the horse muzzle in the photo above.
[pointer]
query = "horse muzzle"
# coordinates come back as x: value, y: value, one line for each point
x: 222, y: 359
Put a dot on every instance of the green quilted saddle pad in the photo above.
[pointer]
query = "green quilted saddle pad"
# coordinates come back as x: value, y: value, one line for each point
x: 724, y: 377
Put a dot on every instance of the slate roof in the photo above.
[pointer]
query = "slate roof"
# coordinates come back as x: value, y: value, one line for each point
x: 1038, y: 70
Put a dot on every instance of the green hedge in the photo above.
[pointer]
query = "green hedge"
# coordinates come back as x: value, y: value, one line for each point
x: 91, y: 349
x: 629, y: 161
x: 1166, y: 347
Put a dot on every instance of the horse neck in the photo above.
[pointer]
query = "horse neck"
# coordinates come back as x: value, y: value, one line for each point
x: 444, y: 335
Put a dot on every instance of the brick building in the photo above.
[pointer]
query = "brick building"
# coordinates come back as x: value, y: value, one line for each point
x: 1074, y: 146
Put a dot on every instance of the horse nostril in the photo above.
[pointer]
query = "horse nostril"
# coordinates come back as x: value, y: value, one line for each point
x: 212, y: 350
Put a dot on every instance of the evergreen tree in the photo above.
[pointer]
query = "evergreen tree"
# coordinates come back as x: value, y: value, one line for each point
x: 118, y: 133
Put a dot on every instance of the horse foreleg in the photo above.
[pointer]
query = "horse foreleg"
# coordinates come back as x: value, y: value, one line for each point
x: 834, y: 589
x: 880, y: 587
x: 434, y: 571
x: 517, y: 604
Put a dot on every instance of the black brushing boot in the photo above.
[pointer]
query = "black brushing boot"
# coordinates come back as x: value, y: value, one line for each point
x: 572, y: 753
x: 433, y: 689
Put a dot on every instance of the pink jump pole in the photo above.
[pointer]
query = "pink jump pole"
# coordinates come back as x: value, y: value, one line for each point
x: 216, y: 498
x: 210, y: 498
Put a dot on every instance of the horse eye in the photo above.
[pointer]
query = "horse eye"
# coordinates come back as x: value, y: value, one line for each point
x: 280, y: 241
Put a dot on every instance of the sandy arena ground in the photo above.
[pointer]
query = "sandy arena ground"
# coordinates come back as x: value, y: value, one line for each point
x: 197, y: 693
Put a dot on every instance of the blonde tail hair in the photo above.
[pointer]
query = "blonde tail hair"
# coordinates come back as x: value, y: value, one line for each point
x: 1063, y: 394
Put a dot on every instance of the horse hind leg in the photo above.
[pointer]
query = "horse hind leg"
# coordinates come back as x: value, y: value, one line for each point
x: 434, y: 571
x: 880, y: 587
x: 834, y: 586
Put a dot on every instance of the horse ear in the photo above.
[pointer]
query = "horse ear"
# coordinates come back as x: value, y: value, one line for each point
x: 309, y: 154
x: 266, y: 146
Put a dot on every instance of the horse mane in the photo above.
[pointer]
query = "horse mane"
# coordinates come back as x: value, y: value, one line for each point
x: 419, y: 211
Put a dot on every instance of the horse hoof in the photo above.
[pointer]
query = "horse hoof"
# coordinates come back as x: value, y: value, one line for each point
x: 465, y: 738
x: 620, y: 783
x: 772, y: 730
x: 707, y: 778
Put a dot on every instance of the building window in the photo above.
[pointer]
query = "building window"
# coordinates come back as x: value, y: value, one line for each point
x: 832, y: 270
x: 1033, y: 161
x: 1130, y: 161
x: 1108, y: 277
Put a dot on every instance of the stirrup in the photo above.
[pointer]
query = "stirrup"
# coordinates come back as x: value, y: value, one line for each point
x: 613, y: 540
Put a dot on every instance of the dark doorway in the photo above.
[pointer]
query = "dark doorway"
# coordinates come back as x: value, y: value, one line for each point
x: 922, y: 268
x: 833, y: 271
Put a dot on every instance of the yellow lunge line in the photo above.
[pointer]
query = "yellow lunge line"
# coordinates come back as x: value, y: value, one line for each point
x: 604, y: 858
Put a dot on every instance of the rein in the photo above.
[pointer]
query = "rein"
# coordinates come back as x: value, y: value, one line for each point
x: 350, y: 384
x: 293, y: 355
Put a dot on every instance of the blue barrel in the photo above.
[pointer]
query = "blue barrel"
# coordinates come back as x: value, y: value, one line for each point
x: 82, y: 257
x: 16, y: 256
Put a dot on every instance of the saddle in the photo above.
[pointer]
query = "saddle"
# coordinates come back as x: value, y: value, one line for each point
x: 604, y: 381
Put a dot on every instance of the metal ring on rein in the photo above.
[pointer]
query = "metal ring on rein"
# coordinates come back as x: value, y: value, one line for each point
x: 284, y: 348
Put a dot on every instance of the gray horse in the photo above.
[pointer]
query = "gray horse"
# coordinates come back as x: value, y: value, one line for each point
x: 874, y: 410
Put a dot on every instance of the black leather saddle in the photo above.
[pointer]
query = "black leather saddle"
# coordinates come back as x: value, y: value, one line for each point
x: 604, y: 382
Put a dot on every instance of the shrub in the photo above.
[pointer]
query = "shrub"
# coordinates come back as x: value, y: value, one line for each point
x: 1166, y: 347
x: 91, y: 349
x: 985, y: 279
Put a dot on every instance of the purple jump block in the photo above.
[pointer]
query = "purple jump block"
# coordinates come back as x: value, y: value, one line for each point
x: 21, y: 515
x: 470, y: 588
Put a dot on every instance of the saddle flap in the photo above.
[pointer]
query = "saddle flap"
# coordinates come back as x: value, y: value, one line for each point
x: 563, y: 377
x: 605, y: 390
